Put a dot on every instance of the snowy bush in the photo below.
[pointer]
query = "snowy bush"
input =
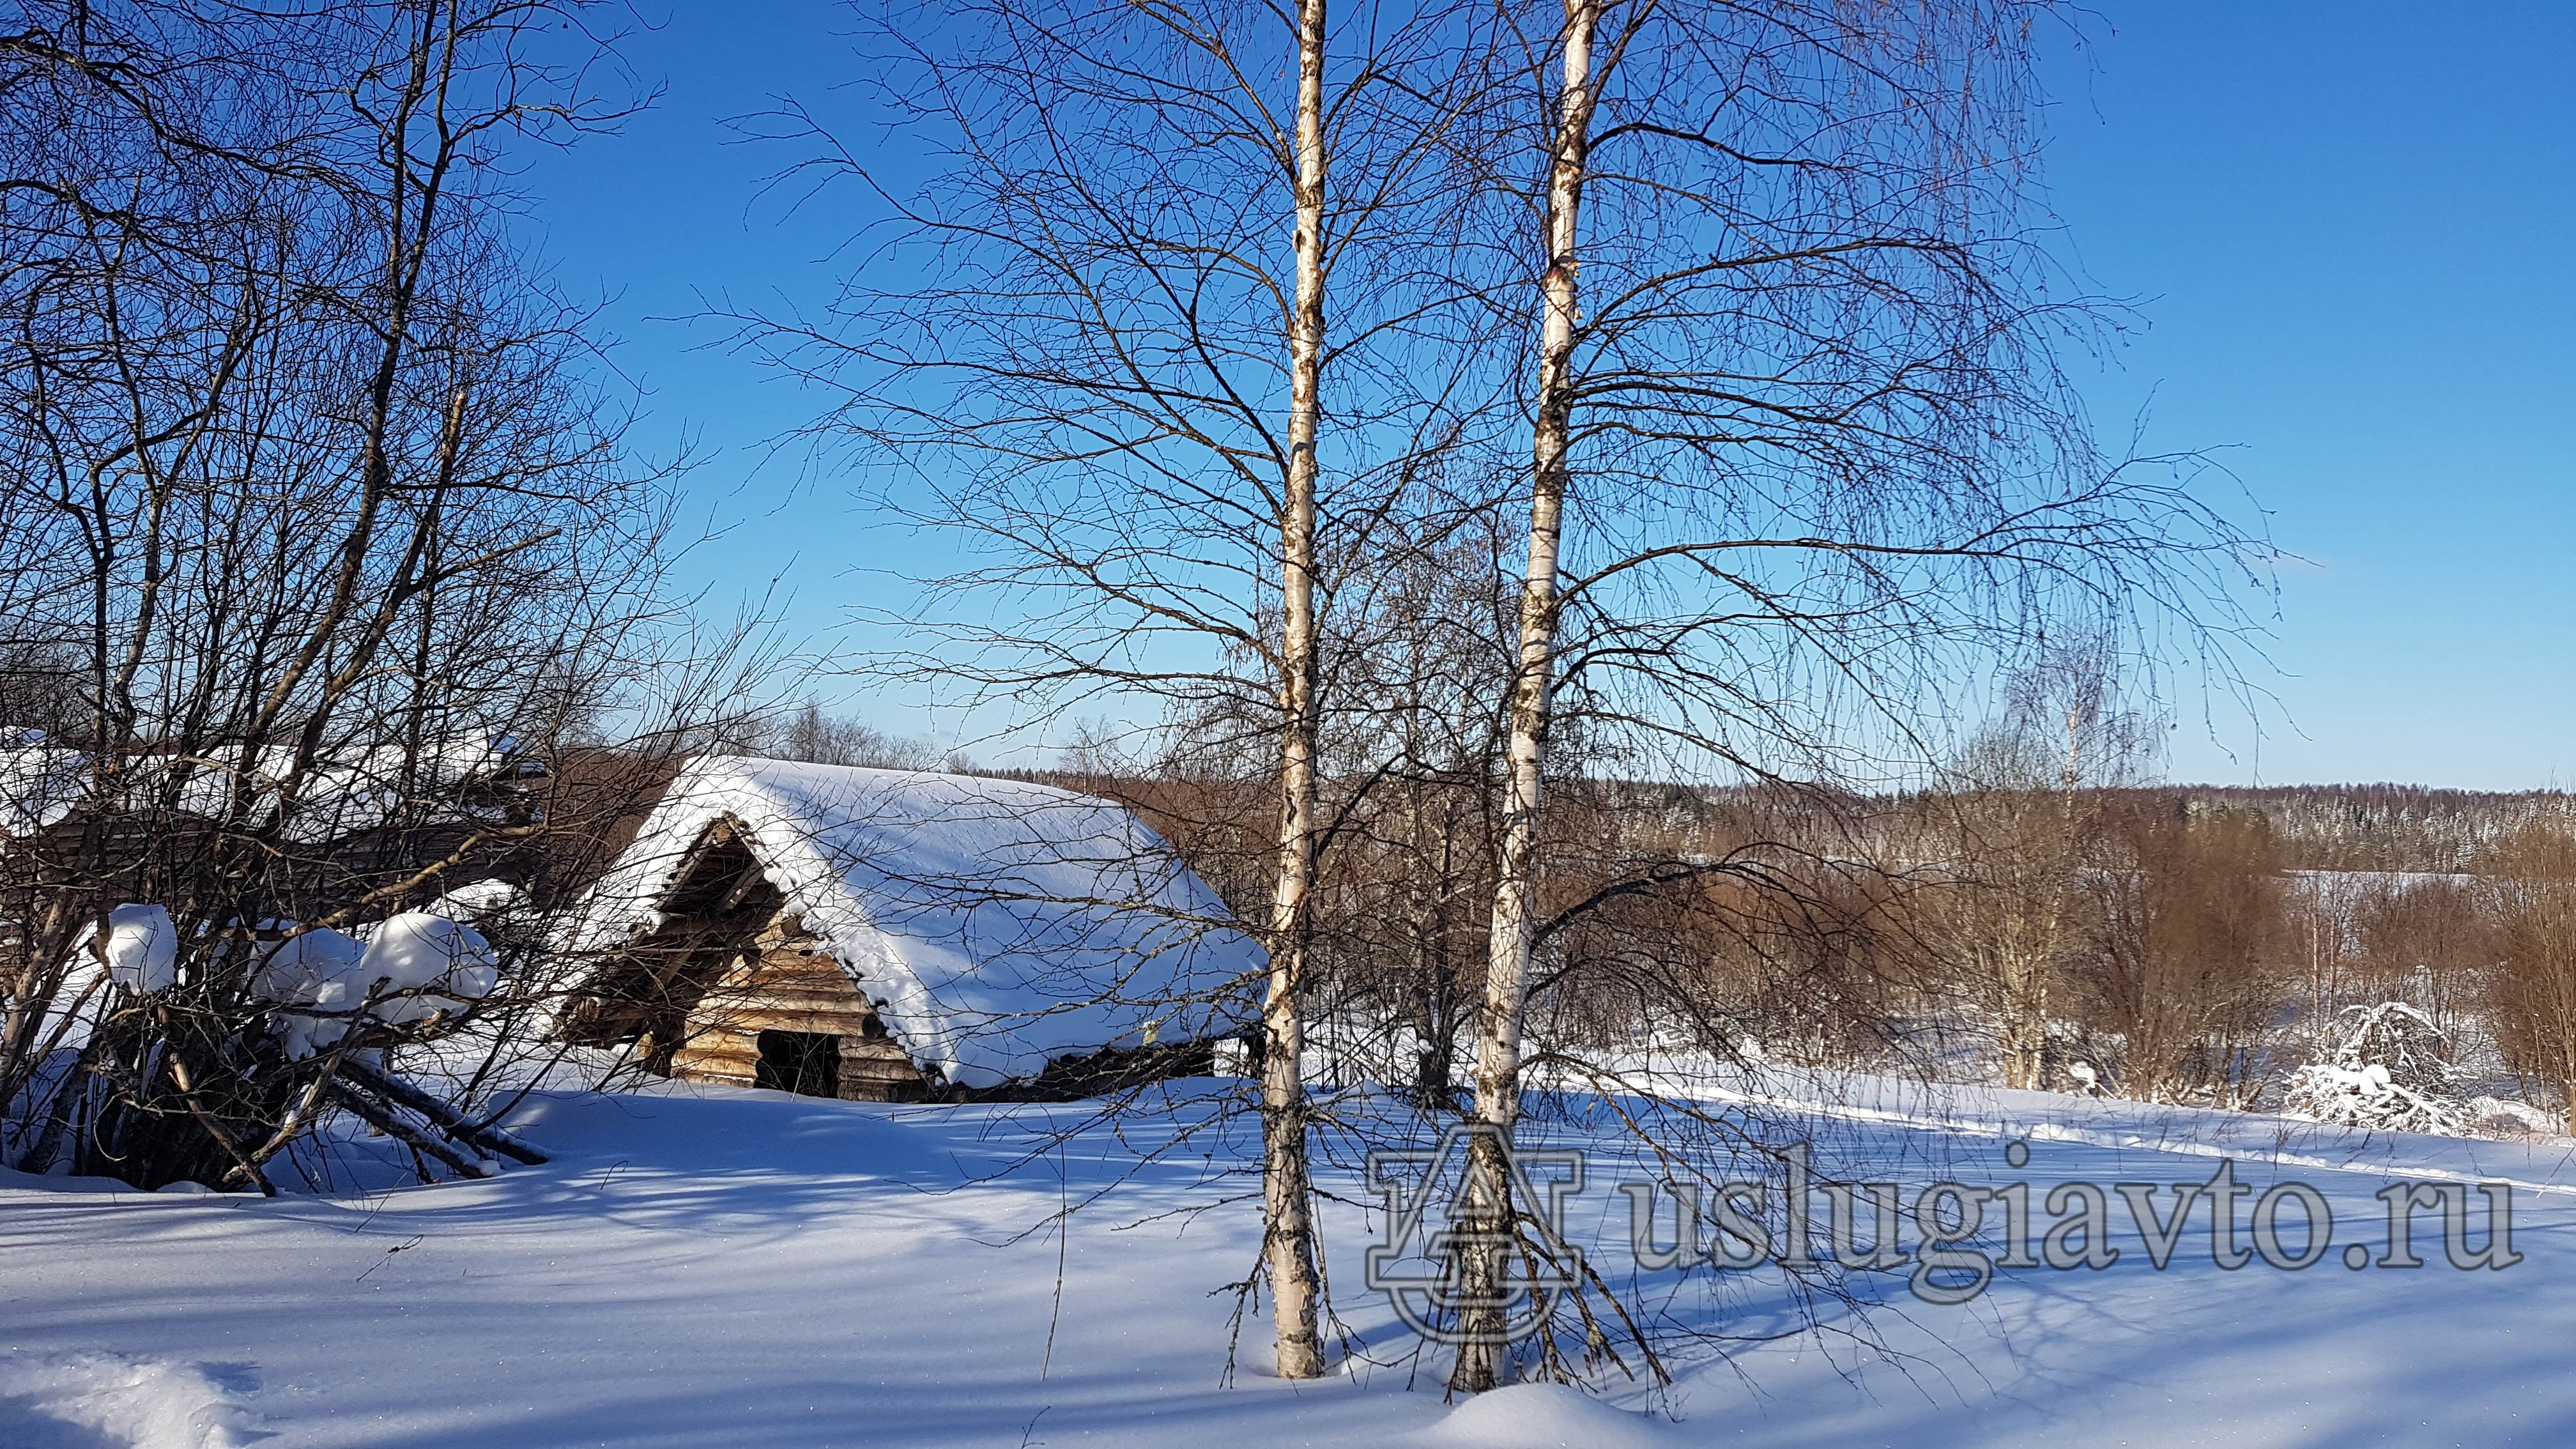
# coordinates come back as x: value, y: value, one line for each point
x: 2387, y: 1074
x: 420, y: 952
x: 303, y: 967
x: 2504, y: 1118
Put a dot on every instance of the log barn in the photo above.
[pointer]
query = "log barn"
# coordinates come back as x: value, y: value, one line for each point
x: 883, y: 935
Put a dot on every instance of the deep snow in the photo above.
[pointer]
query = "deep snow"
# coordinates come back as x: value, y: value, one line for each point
x: 716, y: 1267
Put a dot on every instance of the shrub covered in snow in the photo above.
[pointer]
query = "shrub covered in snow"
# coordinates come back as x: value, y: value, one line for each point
x: 295, y: 1025
x: 420, y: 952
x: 2387, y: 1074
x: 304, y: 967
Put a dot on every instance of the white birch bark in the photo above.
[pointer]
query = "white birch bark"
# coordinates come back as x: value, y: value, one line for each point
x: 1287, y: 1197
x: 1483, y: 1358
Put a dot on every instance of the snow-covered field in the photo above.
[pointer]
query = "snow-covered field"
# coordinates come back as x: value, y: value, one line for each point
x: 712, y: 1267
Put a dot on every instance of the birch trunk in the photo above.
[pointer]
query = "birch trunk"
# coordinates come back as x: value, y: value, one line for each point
x: 2025, y: 1044
x: 1483, y: 1356
x: 1289, y: 1243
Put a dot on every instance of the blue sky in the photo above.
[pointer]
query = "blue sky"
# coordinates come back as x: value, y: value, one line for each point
x: 2348, y: 227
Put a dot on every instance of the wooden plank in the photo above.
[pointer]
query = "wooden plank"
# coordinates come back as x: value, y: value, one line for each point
x: 745, y: 1037
x: 878, y: 1072
x: 718, y: 1003
x: 884, y: 1049
x: 861, y: 1060
x: 787, y: 982
x: 817, y: 964
x: 743, y: 1069
x: 697, y: 1063
x: 744, y: 1010
x: 868, y: 1068
x: 825, y: 1023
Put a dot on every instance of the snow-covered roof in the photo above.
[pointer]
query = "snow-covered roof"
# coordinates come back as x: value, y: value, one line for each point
x: 39, y: 784
x: 348, y: 790
x: 995, y: 923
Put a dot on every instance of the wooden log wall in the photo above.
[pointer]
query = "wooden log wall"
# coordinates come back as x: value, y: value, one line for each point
x: 788, y: 982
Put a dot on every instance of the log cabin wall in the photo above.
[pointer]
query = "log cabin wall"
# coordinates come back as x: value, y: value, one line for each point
x: 787, y: 981
x: 719, y: 901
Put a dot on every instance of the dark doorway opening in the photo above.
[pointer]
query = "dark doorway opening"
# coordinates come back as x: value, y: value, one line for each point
x: 807, y: 1063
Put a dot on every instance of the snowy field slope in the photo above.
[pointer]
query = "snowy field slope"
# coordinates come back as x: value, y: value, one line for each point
x: 720, y: 1268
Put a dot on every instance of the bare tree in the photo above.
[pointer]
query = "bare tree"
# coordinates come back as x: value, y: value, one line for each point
x: 1287, y: 1188
x: 2188, y: 968
x: 2427, y: 941
x: 2532, y: 999
x: 1797, y: 445
x: 1156, y: 370
x: 2015, y: 833
x: 810, y: 734
x: 310, y: 487
x: 1794, y: 451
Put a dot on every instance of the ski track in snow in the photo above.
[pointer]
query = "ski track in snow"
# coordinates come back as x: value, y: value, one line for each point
x: 711, y: 1267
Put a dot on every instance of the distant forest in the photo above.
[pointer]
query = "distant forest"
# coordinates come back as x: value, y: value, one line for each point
x: 2382, y: 826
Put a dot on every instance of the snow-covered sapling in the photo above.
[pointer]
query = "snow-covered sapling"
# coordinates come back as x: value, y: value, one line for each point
x: 2387, y: 1074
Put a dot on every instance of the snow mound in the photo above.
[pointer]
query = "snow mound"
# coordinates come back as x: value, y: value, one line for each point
x: 94, y: 1400
x: 476, y: 899
x: 303, y: 967
x: 1546, y: 1416
x: 2503, y: 1117
x: 417, y: 949
x: 142, y: 948
x: 40, y: 784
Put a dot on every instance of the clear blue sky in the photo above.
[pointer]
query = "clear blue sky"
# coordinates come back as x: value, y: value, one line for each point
x: 2352, y: 228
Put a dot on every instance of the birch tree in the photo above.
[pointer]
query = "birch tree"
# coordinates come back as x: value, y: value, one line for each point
x: 1798, y: 451
x: 1480, y: 1362
x: 1154, y: 380
x: 2016, y: 831
x: 1287, y: 1192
